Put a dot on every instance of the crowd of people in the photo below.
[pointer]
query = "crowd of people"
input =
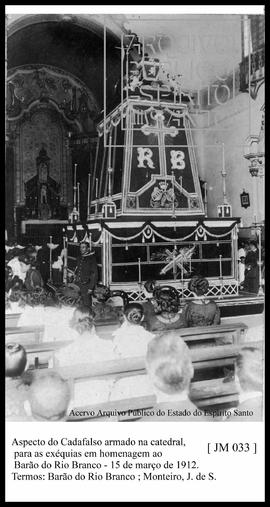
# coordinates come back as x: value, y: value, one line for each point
x: 169, y: 369
x: 151, y: 329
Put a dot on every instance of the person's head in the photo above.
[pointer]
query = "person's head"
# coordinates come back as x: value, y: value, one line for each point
x: 15, y: 360
x: 18, y: 296
x: 49, y: 396
x: 134, y: 313
x: 101, y: 292
x: 198, y: 285
x: 249, y: 368
x: 165, y: 300
x: 31, y: 252
x: 242, y: 260
x: 150, y: 285
x: 82, y: 319
x: 12, y: 242
x: 84, y: 247
x: 169, y: 364
x: 253, y: 246
x: 39, y: 297
x: 25, y: 263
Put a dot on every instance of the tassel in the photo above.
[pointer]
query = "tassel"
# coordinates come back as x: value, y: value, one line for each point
x: 196, y: 237
x: 143, y: 239
x: 126, y: 247
x: 153, y: 239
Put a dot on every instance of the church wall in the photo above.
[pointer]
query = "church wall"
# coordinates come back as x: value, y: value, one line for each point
x: 237, y: 119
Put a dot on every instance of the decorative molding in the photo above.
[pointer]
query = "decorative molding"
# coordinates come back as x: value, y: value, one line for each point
x: 252, y: 73
x: 32, y: 84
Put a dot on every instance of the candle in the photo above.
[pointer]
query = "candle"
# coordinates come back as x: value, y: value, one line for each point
x: 88, y: 196
x: 190, y: 264
x: 220, y: 266
x: 51, y: 259
x: 78, y: 200
x: 75, y: 175
x: 205, y: 198
x: 96, y: 188
x: 110, y: 150
x: 174, y: 266
x: 90, y: 241
x: 181, y: 179
x: 260, y: 262
x: 173, y: 196
x: 65, y: 260
x: 139, y: 269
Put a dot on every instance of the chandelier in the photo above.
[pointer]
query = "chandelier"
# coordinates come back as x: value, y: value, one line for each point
x: 255, y: 151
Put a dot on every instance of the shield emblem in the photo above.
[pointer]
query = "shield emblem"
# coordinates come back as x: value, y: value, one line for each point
x: 151, y: 70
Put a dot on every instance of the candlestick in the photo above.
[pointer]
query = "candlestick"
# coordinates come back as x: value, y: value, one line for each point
x: 173, y: 202
x: 75, y: 175
x: 139, y: 270
x: 90, y: 241
x: 174, y: 266
x: 181, y: 183
x: 51, y: 259
x: 65, y: 259
x: 260, y: 292
x: 78, y: 199
x: 223, y: 158
x: 110, y: 150
x: 205, y: 198
x: 88, y: 196
x: 220, y: 266
x: 96, y: 188
x: 110, y: 183
x: 224, y: 174
x: 190, y: 264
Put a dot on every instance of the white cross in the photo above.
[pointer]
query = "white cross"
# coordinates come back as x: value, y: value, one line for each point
x: 148, y: 129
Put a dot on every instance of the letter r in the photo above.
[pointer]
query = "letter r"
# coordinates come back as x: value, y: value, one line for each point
x: 145, y: 155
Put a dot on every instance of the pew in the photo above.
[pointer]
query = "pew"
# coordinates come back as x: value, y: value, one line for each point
x: 24, y: 335
x: 229, y: 333
x: 205, y: 393
x: 194, y: 337
x: 11, y: 319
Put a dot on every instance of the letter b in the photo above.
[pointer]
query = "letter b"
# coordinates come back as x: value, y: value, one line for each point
x: 177, y: 159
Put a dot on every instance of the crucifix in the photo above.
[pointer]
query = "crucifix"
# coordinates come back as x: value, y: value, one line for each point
x: 159, y: 128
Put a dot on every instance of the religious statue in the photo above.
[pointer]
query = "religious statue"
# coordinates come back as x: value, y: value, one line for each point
x: 42, y: 193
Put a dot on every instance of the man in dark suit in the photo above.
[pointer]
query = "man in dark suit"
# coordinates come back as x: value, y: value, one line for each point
x: 86, y: 273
